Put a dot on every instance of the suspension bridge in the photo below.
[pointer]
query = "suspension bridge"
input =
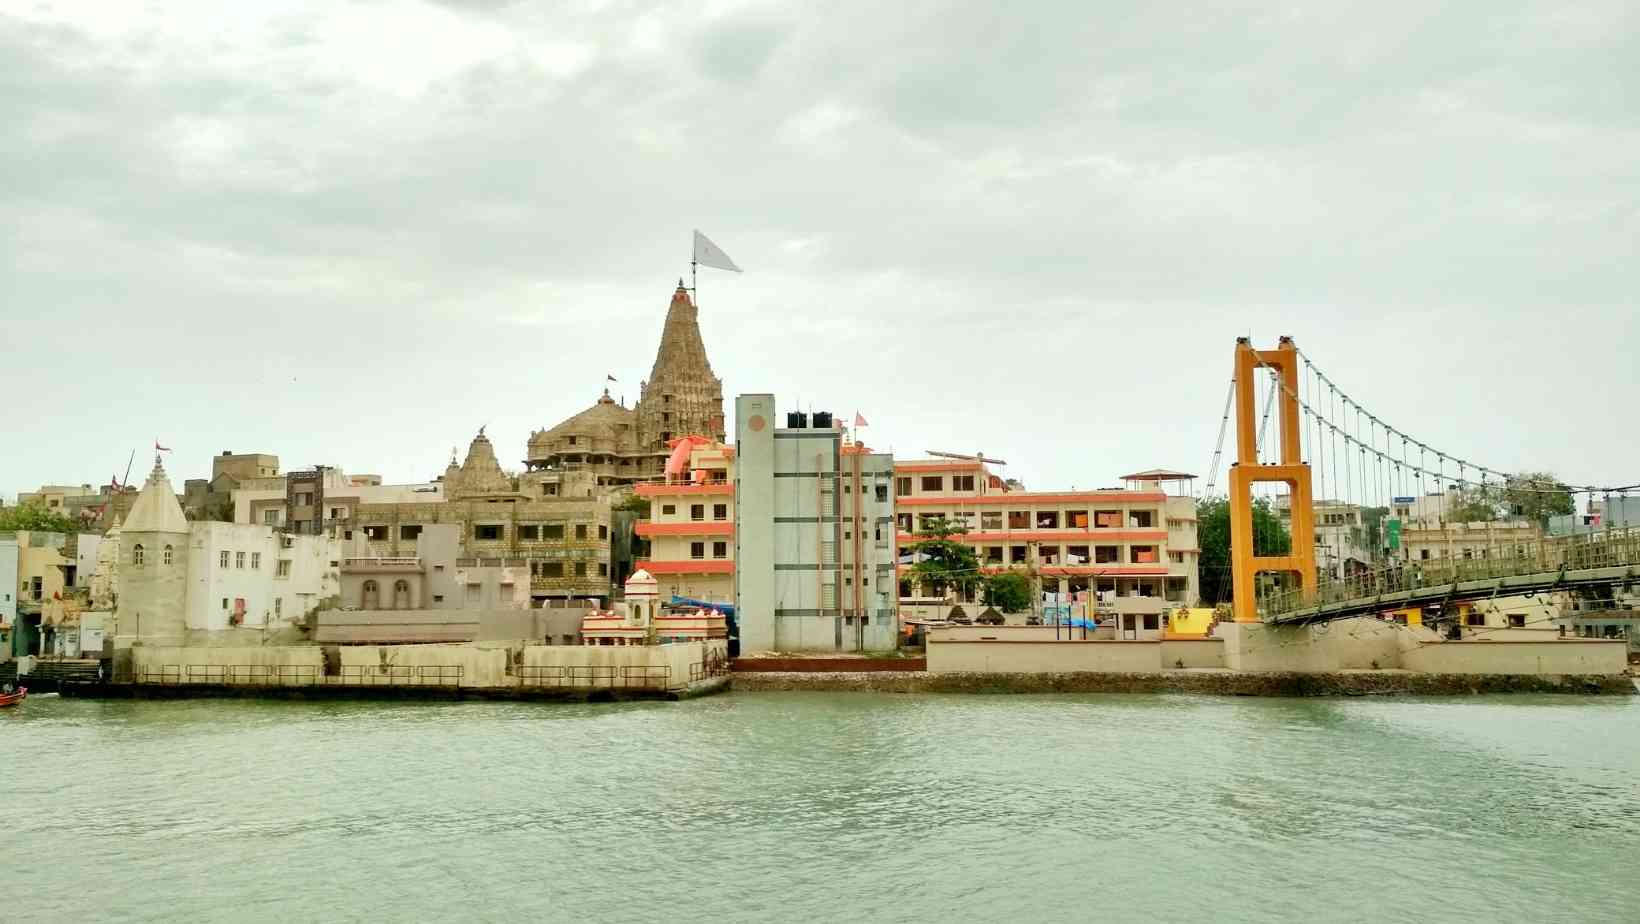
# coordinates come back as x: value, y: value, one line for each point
x: 1331, y: 452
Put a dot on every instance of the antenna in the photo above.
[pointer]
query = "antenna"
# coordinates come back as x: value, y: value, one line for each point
x: 975, y: 457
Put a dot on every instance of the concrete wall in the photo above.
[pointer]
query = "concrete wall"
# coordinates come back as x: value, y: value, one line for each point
x: 482, y: 665
x: 1554, y: 656
x: 8, y: 583
x: 1346, y: 644
x: 1025, y: 657
x: 755, y: 423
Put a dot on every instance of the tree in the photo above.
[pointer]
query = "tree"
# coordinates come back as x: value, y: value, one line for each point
x: 943, y: 563
x: 1537, y: 496
x: 1531, y: 496
x: 35, y: 518
x: 1370, y: 534
x: 1213, y: 533
x: 1009, y: 591
x: 635, y: 504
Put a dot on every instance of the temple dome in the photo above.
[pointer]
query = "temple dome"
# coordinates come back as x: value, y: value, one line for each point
x: 156, y: 509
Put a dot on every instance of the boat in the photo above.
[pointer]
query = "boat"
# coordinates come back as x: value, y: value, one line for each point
x: 12, y: 699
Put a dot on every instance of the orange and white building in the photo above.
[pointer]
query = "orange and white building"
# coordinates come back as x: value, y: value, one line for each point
x: 691, y: 525
x: 643, y: 619
x: 1137, y: 540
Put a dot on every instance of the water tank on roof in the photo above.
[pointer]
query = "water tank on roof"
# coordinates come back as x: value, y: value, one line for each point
x: 822, y: 420
x: 796, y: 420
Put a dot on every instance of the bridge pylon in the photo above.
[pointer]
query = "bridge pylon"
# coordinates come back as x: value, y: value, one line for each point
x: 1249, y: 470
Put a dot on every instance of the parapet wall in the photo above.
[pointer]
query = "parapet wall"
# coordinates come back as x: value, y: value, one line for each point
x: 1362, y: 644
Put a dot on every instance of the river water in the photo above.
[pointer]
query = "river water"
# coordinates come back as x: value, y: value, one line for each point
x: 810, y: 806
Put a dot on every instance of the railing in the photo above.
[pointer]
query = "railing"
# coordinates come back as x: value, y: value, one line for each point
x: 642, y: 676
x: 301, y: 675
x: 1542, y: 556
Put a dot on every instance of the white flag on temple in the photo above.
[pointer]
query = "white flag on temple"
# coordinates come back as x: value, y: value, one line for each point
x: 710, y: 254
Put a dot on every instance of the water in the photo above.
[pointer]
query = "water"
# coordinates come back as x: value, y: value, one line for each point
x: 792, y: 807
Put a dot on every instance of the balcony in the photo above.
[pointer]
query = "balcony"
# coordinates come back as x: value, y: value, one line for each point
x: 382, y: 565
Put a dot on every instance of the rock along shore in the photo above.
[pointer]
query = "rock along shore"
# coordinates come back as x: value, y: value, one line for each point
x: 1209, y: 682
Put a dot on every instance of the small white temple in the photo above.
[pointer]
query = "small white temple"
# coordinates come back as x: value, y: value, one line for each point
x: 640, y: 619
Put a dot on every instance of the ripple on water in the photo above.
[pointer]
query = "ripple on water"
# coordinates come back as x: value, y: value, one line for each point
x: 751, y: 807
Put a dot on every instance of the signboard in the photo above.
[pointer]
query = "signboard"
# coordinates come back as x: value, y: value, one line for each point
x: 1392, y: 533
x: 1403, y: 500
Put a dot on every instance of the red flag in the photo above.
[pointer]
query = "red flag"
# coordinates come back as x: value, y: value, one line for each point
x: 859, y: 421
x: 159, y: 448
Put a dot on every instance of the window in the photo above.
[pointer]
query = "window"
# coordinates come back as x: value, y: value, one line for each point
x: 603, y: 569
x: 697, y: 511
x: 136, y: 555
x: 278, y: 607
x: 1107, y: 554
x: 438, y: 598
x: 487, y: 532
x: 222, y: 558
x: 669, y: 510
x: 902, y: 487
x: 549, y: 490
x: 933, y: 483
x: 603, y: 531
x: 1016, y: 554
x: 1517, y: 620
x: 239, y: 560
x: 304, y: 499
x: 720, y: 511
x: 580, y: 569
x: 554, y: 569
x: 1143, y: 554
x: 1423, y: 554
x: 270, y: 518
x: 1048, y: 554
x: 1076, y: 554
x: 166, y: 557
x: 1047, y: 519
x: 256, y: 559
x: 529, y: 533
x: 409, y: 533
x: 580, y: 531
x: 881, y: 493
x: 1176, y: 557
x: 720, y: 550
x: 282, y: 569
x: 1019, y: 519
x: 1151, y: 621
x: 993, y: 554
x: 376, y: 533
x: 224, y: 602
x: 1142, y: 519
x: 1474, y: 618
x: 962, y: 482
x: 903, y: 522
x: 990, y: 520
x: 1107, y: 519
x: 697, y: 550
x: 552, y: 531
x: 572, y: 441
x: 926, y: 520
x: 335, y: 513
x: 1076, y: 519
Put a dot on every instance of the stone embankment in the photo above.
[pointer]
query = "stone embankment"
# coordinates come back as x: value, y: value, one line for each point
x: 1206, y: 681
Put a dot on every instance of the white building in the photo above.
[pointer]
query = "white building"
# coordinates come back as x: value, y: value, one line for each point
x: 201, y: 582
x: 814, y: 535
x: 8, y: 593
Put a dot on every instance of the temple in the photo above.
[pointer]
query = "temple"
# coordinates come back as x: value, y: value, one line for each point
x: 609, y: 445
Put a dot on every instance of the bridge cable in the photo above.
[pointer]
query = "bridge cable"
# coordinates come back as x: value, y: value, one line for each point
x: 1218, y: 448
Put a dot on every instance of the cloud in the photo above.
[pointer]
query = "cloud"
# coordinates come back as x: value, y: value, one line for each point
x: 1038, y: 232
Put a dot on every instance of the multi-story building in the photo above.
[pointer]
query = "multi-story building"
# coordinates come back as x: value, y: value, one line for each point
x: 322, y: 499
x: 1342, y: 547
x: 1137, y: 540
x: 183, y: 582
x: 1471, y: 541
x: 431, y: 573
x: 691, y: 527
x: 213, y: 499
x: 813, y: 534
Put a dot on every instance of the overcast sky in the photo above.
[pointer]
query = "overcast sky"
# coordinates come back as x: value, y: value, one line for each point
x: 352, y: 233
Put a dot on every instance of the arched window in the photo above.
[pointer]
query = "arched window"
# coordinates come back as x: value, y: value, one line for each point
x: 368, y: 596
x: 401, y: 595
x: 136, y: 555
x: 167, y: 558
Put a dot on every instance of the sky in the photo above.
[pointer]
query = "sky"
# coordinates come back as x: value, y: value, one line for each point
x: 352, y: 233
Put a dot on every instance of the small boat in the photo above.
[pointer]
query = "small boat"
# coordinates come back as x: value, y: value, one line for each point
x: 12, y: 699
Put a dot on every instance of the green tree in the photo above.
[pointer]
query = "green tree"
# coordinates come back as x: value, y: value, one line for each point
x: 1009, y: 591
x: 1213, y: 532
x: 942, y: 562
x: 636, y: 504
x: 1537, y: 496
x: 1370, y: 535
x: 34, y: 517
x: 1473, y: 504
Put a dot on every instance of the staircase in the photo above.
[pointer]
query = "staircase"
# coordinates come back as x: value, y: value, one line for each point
x: 52, y: 675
